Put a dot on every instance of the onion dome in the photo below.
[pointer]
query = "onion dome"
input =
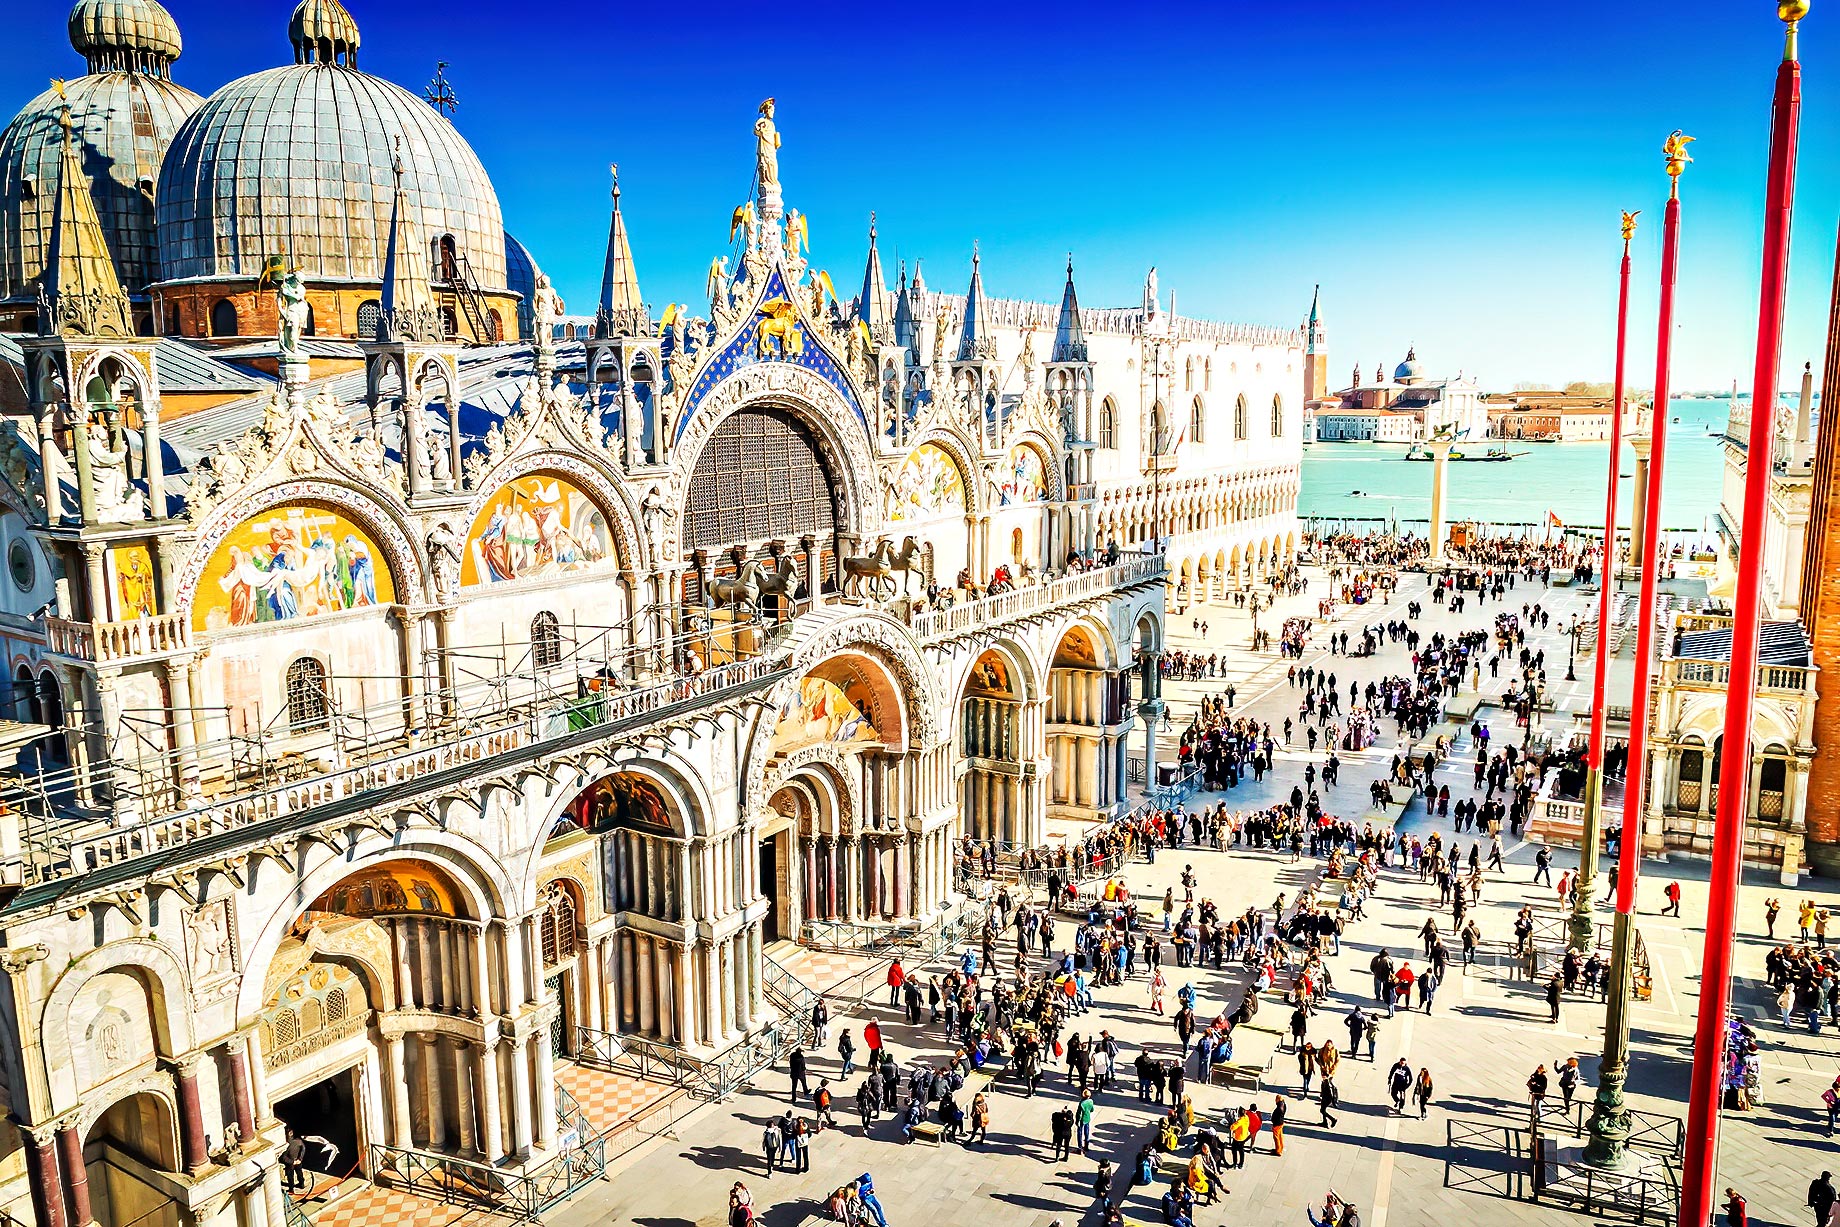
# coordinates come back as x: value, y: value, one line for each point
x: 123, y: 115
x: 125, y: 36
x: 323, y: 31
x: 300, y: 160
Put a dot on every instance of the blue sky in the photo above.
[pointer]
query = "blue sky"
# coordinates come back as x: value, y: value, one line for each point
x: 1451, y: 174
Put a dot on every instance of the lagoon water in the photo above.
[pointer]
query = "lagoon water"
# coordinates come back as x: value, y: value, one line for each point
x: 1565, y: 478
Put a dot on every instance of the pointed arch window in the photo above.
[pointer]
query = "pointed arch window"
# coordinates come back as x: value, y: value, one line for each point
x: 1239, y: 419
x: 1277, y: 416
x: 1108, y: 424
x: 560, y: 940
x: 1197, y: 422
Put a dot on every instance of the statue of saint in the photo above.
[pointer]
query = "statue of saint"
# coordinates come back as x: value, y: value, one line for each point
x: 116, y: 501
x: 292, y: 310
x: 766, y: 148
x: 545, y: 309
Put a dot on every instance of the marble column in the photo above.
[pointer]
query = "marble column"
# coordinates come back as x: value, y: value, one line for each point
x: 194, y: 1150
x: 520, y: 1096
x: 242, y: 1100
x: 398, y: 1073
x: 431, y: 1086
x: 491, y: 1122
x: 1641, y: 445
x: 546, y: 1090
x: 42, y: 1171
x: 463, y: 1099
x: 76, y: 1175
x: 1440, y: 481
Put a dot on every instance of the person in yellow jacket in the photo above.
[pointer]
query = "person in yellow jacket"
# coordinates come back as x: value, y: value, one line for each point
x: 1239, y: 1133
x: 1197, y: 1178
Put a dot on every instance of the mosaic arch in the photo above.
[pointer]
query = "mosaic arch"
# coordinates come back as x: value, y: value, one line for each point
x: 393, y: 888
x: 296, y: 560
x: 534, y: 527
x: 624, y: 800
x: 1023, y: 478
x: 1076, y: 650
x: 846, y: 700
x: 928, y: 484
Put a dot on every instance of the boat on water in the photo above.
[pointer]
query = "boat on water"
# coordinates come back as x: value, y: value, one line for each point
x: 1419, y: 451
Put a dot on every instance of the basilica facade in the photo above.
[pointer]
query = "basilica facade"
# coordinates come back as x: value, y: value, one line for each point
x: 414, y: 690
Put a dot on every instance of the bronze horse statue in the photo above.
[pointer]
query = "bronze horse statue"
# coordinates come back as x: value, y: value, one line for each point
x: 877, y: 568
x: 743, y: 590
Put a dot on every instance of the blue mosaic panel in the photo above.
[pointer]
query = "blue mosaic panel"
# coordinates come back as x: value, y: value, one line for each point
x: 740, y: 353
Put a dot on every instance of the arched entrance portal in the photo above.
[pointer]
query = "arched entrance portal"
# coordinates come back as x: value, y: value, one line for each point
x: 133, y: 1134
x: 1085, y: 708
x: 370, y: 1023
x: 1000, y: 739
x: 834, y: 841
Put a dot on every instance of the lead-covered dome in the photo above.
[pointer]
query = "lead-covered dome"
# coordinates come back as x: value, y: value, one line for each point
x: 123, y: 114
x: 124, y: 35
x: 297, y: 161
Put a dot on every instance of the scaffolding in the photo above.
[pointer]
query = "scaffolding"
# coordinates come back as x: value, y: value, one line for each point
x: 168, y: 775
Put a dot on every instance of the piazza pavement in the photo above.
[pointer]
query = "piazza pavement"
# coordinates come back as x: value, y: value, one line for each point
x: 1485, y: 1034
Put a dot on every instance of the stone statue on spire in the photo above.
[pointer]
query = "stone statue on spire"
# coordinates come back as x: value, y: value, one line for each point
x: 766, y: 160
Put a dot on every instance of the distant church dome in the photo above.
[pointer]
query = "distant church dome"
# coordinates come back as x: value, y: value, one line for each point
x: 1409, y: 371
x: 124, y: 113
x: 297, y: 161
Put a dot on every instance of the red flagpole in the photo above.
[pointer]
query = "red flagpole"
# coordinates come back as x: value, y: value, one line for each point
x: 1699, y: 1177
x: 1600, y: 675
x: 1648, y: 550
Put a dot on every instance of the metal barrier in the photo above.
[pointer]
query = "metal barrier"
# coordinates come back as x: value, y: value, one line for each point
x: 1647, y: 1130
x: 523, y: 1194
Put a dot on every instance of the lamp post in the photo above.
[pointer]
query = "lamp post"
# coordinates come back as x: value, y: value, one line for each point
x: 1571, y: 654
x: 1607, y: 1142
x: 1706, y: 1077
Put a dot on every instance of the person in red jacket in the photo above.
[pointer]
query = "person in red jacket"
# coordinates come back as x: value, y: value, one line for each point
x: 896, y: 978
x: 1673, y: 899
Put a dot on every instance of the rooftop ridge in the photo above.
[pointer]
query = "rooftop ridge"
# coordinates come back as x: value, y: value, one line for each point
x: 1117, y: 321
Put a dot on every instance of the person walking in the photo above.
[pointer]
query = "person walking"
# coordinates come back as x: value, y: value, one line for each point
x: 1568, y: 1081
x: 1736, y: 1213
x: 1553, y: 989
x: 980, y: 1119
x: 294, y: 1160
x: 1772, y: 907
x: 1673, y: 899
x: 1060, y: 1126
x: 740, y: 1206
x: 1542, y: 866
x: 1157, y: 985
x: 771, y: 1142
x: 896, y: 978
x: 1399, y: 1084
x: 1083, y: 1120
x: 1280, y: 1113
x: 1327, y: 1098
x: 1829, y: 1097
x: 1821, y: 1198
x: 1537, y: 1082
x: 795, y: 1064
x: 846, y: 1049
x: 1306, y: 1067
x: 1421, y: 1093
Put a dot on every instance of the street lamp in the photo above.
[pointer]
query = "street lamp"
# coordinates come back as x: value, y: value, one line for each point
x: 1571, y: 658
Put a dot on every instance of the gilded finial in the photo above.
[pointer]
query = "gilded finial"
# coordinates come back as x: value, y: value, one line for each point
x: 396, y: 163
x: 57, y: 86
x: 613, y: 173
x: 1629, y: 224
x: 1674, y: 149
x: 1791, y: 12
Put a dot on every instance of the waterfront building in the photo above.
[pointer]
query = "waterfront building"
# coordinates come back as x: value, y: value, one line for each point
x: 1549, y: 416
x: 1409, y: 407
x: 415, y: 684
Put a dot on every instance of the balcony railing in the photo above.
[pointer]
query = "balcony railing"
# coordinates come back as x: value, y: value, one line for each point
x: 1692, y: 674
x: 985, y: 611
x: 108, y: 642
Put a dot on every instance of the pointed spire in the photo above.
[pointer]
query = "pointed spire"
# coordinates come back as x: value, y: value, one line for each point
x: 872, y: 306
x: 79, y: 294
x: 1069, y: 333
x: 406, y: 304
x: 622, y: 311
x: 919, y: 287
x: 974, y: 341
x: 905, y: 333
x: 1315, y: 342
x: 1354, y: 380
